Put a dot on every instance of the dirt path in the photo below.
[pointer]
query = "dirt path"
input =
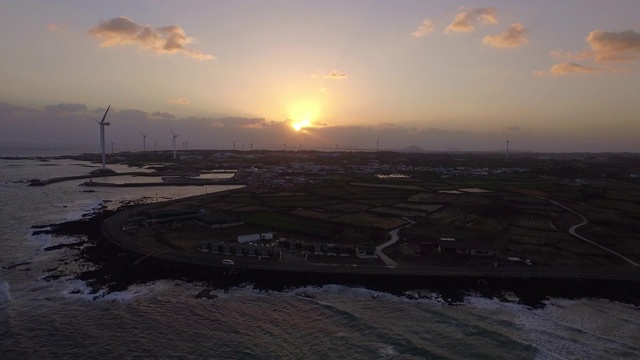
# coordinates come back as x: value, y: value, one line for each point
x: 572, y: 231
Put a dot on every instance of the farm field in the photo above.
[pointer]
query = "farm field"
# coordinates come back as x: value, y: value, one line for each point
x: 505, y: 211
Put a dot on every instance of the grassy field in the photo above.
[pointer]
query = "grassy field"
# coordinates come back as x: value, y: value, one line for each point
x: 390, y: 186
x: 395, y: 211
x: 420, y: 207
x: 297, y: 224
x: 365, y: 219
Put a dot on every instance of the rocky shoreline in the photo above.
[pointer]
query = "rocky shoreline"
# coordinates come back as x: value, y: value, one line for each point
x: 110, y: 268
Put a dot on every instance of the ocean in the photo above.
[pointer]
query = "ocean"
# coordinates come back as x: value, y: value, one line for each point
x: 43, y: 317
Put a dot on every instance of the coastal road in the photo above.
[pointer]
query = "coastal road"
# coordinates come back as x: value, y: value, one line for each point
x: 572, y: 231
x: 112, y: 230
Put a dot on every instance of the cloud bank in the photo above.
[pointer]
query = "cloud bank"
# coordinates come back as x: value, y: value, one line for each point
x: 122, y: 31
x: 71, y: 125
x: 606, y: 48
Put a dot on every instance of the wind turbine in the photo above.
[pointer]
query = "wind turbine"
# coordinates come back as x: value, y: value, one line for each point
x: 285, y: 147
x: 173, y: 142
x: 234, y: 144
x: 251, y: 145
x: 102, y: 125
x: 300, y: 147
x: 337, y: 145
x: 144, y: 140
x: 377, y: 143
x: 507, y: 143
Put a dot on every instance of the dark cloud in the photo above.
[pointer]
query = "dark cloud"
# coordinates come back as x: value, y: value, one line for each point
x: 27, y: 125
x: 129, y: 115
x: 385, y: 125
x: 162, y: 115
x: 62, y: 108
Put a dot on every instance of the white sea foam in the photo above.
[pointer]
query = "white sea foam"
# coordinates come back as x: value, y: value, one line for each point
x: 76, y: 209
x: 77, y: 289
x: 42, y: 240
x: 5, y: 295
x: 387, y: 351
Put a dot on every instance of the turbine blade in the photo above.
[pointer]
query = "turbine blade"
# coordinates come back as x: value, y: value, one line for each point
x: 105, y: 114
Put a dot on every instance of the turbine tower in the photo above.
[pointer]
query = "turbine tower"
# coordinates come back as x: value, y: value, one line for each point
x: 507, y: 150
x: 144, y: 141
x: 285, y: 147
x: 378, y: 144
x: 173, y: 142
x: 102, y: 124
x: 234, y: 144
x: 251, y: 145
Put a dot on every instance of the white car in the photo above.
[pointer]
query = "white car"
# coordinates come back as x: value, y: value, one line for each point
x: 227, y: 262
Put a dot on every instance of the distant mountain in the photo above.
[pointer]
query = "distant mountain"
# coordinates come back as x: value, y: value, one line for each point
x: 413, y: 149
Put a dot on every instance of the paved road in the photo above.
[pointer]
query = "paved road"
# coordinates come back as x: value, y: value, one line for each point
x: 394, y: 237
x: 572, y: 231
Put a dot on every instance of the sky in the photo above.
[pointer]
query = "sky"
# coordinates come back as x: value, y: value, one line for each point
x: 551, y: 76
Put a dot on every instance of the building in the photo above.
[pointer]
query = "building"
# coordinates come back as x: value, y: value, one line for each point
x: 452, y: 246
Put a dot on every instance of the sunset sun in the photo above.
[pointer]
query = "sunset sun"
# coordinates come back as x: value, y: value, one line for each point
x: 303, y: 113
x: 300, y: 124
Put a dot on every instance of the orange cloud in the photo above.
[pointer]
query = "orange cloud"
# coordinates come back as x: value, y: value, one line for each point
x: 468, y: 19
x: 568, y: 68
x: 568, y: 55
x: 614, y: 46
x: 179, y: 101
x: 122, y: 31
x: 424, y: 29
x: 539, y: 73
x: 57, y: 27
x: 513, y: 37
